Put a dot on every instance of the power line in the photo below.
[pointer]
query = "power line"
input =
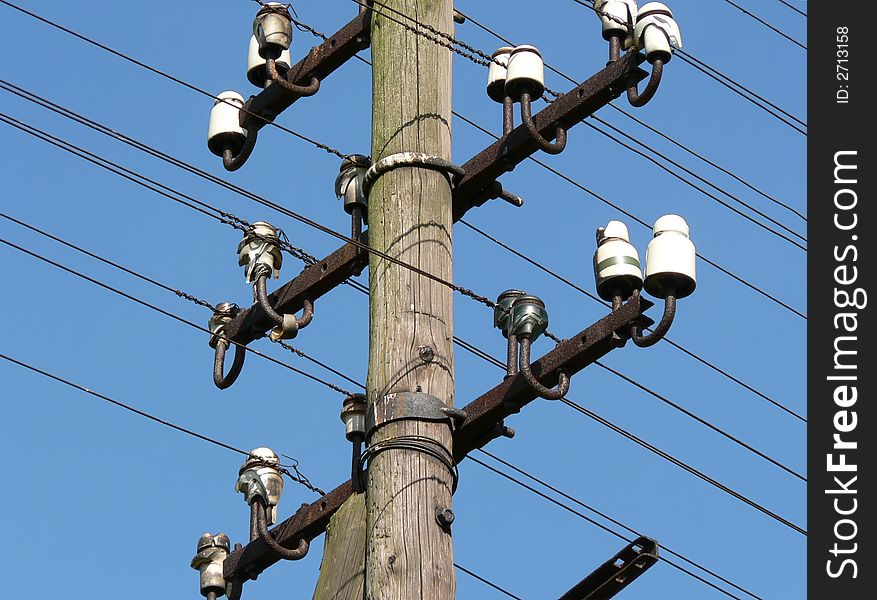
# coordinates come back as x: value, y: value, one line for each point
x: 302, y: 480
x: 592, y: 521
x: 702, y: 421
x: 486, y: 59
x: 463, y: 290
x: 640, y: 221
x: 615, y: 522
x: 646, y: 125
x: 655, y: 450
x: 691, y: 60
x: 744, y: 92
x: 695, y: 175
x: 710, y: 162
x: 594, y: 416
x: 180, y: 293
x: 592, y: 296
x: 281, y: 363
x: 327, y: 367
x: 177, y: 80
x: 709, y: 195
x: 285, y: 211
x: 486, y: 582
x: 766, y: 24
x: 793, y: 7
x: 110, y: 288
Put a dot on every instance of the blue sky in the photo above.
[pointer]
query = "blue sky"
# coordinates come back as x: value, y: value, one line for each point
x: 119, y: 502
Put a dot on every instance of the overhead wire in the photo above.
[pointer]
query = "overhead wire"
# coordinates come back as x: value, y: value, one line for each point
x: 655, y: 450
x: 651, y: 128
x: 612, y: 520
x: 155, y: 282
x: 594, y: 297
x: 699, y: 474
x: 327, y: 367
x: 793, y: 7
x: 169, y: 314
x: 745, y: 93
x: 602, y: 199
x: 733, y: 209
x: 640, y: 221
x: 463, y: 291
x: 594, y: 522
x: 320, y: 227
x: 486, y: 582
x: 753, y: 97
x: 773, y: 28
x: 176, y: 80
x: 299, y: 478
x: 486, y: 59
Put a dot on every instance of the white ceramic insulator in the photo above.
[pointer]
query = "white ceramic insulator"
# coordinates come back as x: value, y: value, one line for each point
x: 616, y: 263
x: 671, y: 259
x: 496, y: 73
x: 257, y: 72
x: 225, y: 122
x: 616, y: 15
x: 526, y: 73
x: 657, y: 34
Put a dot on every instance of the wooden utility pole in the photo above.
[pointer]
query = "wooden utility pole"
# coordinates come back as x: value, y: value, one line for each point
x: 408, y: 554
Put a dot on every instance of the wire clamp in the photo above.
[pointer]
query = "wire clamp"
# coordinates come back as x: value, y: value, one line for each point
x: 410, y: 159
x: 410, y: 405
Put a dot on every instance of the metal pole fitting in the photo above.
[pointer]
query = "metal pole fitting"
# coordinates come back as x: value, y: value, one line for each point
x: 563, y: 378
x: 644, y: 341
x: 410, y: 159
x: 637, y: 99
x: 281, y: 79
x: 544, y: 145
x: 231, y: 161
x: 212, y: 552
x: 297, y: 553
x: 223, y: 313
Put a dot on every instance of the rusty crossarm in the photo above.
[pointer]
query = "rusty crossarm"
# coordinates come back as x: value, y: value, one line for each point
x: 480, y: 173
x: 566, y: 111
x: 320, y: 62
x: 483, y: 416
x: 616, y: 573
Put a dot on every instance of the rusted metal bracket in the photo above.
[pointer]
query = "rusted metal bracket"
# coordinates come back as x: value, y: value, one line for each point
x: 566, y: 111
x: 312, y: 283
x: 483, y: 423
x: 474, y: 188
x: 320, y: 62
x: 409, y: 405
x: 616, y: 573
